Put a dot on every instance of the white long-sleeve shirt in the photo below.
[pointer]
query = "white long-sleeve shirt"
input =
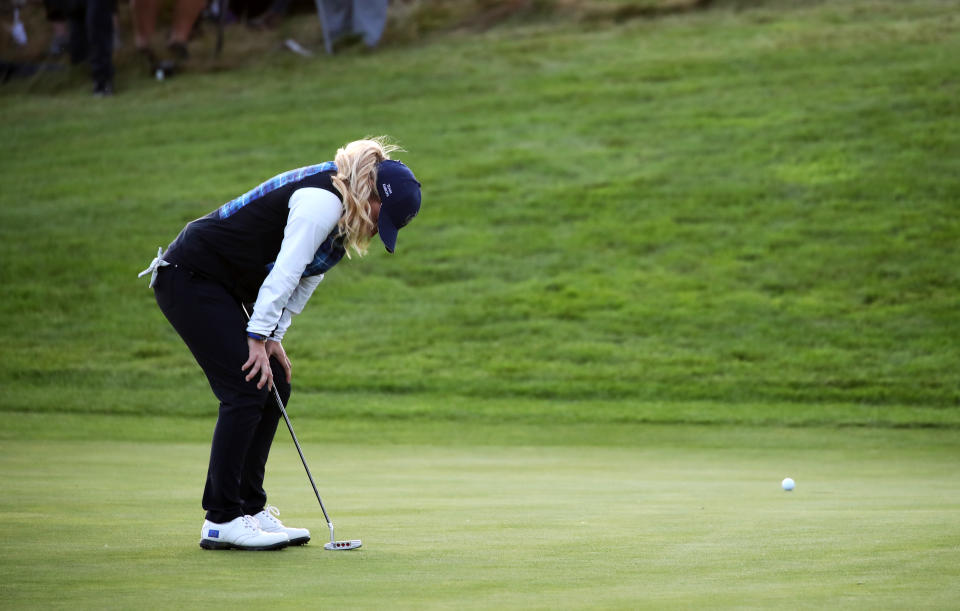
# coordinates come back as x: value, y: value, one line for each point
x: 314, y: 213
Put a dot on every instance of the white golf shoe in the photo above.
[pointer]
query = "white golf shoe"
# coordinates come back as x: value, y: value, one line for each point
x: 269, y: 523
x: 241, y: 533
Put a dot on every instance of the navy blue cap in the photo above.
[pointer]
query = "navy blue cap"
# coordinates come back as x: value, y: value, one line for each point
x: 399, y: 193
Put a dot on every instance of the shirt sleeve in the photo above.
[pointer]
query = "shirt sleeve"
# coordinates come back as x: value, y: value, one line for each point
x: 297, y: 301
x: 314, y: 213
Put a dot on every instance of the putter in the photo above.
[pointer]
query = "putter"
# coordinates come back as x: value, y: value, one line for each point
x: 334, y: 544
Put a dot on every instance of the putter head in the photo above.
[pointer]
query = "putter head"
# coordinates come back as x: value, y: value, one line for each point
x: 341, y: 546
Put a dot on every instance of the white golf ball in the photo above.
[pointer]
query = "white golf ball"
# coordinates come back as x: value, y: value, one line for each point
x: 788, y: 484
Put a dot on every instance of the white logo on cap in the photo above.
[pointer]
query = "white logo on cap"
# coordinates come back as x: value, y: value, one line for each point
x: 387, y: 190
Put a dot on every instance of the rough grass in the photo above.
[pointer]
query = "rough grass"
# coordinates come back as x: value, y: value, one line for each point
x: 741, y: 215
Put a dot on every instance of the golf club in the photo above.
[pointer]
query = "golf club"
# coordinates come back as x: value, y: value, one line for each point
x: 334, y: 544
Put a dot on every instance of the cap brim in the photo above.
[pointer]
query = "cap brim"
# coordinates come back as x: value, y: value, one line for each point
x: 388, y: 232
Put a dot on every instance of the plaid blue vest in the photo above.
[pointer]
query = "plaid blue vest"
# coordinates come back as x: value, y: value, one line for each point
x: 237, y: 244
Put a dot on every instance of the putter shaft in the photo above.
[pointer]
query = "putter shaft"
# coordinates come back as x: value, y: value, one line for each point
x: 276, y: 395
x: 283, y: 412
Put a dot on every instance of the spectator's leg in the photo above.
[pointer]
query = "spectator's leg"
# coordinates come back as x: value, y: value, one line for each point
x: 59, y: 26
x: 60, y: 41
x: 100, y: 34
x: 336, y: 19
x: 117, y: 39
x: 76, y: 20
x: 185, y: 14
x: 144, y: 14
x: 369, y: 20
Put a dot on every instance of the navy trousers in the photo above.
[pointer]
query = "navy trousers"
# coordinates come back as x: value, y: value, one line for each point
x: 212, y: 324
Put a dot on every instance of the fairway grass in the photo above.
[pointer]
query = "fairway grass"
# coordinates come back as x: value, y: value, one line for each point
x: 682, y: 517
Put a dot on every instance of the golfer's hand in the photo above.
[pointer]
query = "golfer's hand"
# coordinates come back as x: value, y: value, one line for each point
x: 275, y: 350
x: 258, y: 363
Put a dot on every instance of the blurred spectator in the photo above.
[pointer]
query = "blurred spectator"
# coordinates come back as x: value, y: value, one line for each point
x: 185, y: 14
x: 364, y: 19
x: 272, y: 16
x: 91, y: 36
x: 344, y: 22
x: 60, y: 39
x: 59, y: 43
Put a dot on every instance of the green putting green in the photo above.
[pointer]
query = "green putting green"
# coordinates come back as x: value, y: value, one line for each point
x: 665, y: 517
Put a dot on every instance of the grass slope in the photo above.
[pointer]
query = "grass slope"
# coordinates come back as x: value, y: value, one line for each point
x: 730, y: 216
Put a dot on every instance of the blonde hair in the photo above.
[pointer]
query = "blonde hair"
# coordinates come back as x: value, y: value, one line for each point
x: 356, y: 179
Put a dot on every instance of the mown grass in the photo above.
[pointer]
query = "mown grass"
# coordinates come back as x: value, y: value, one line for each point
x: 742, y: 220
x: 728, y: 216
x: 506, y: 516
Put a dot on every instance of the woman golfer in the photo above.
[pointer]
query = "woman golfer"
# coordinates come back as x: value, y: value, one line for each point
x: 269, y: 247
